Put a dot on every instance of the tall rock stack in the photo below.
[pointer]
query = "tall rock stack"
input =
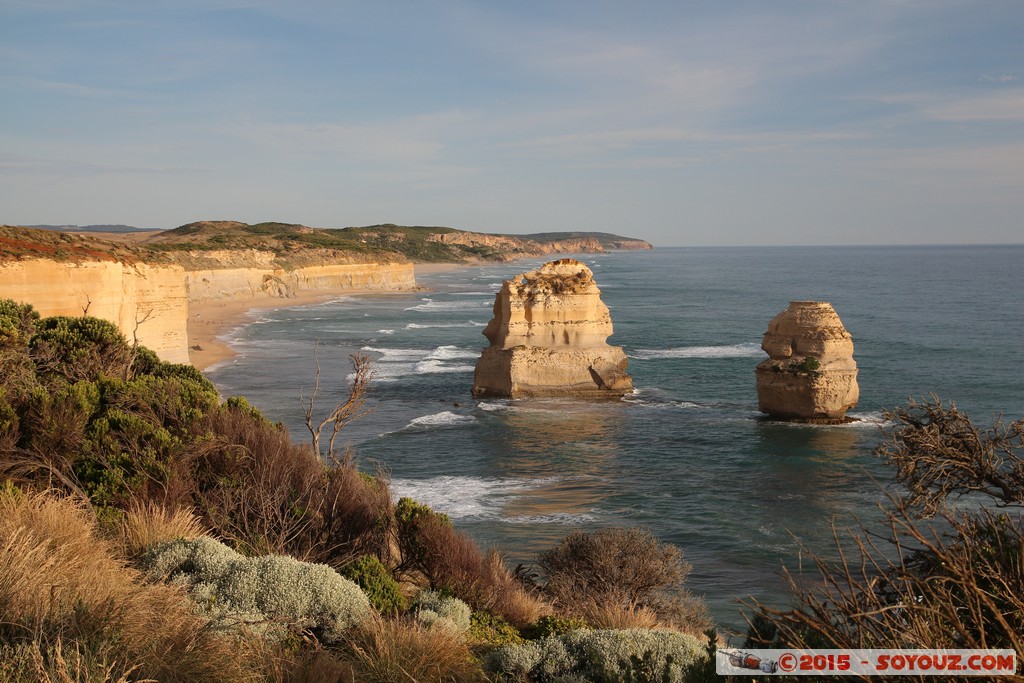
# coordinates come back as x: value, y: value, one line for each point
x: 810, y: 374
x: 549, y: 338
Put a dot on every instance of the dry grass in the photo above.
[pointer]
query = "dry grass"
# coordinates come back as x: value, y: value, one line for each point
x: 404, y: 651
x: 59, y: 663
x: 310, y: 664
x: 147, y: 523
x: 959, y: 588
x: 614, y: 615
x: 60, y: 583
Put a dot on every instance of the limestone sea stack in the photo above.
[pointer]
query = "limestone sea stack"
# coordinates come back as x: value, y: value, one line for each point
x: 810, y: 374
x: 549, y: 338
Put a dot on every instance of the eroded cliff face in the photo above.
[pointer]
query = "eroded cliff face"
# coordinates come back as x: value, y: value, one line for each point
x: 509, y: 248
x: 549, y: 338
x: 810, y: 373
x: 147, y: 303
x: 498, y: 247
x: 150, y: 302
x: 267, y: 281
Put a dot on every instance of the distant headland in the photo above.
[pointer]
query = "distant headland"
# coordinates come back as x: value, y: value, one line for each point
x: 149, y: 283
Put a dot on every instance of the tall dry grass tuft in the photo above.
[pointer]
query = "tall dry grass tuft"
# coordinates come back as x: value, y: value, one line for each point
x: 284, y: 663
x: 29, y: 662
x: 404, y: 651
x: 614, y: 615
x: 147, y: 523
x: 60, y: 584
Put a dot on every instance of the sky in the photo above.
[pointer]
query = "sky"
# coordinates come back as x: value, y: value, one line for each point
x: 718, y: 122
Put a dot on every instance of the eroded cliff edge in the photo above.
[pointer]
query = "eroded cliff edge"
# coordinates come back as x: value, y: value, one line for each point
x: 147, y: 293
x: 144, y: 284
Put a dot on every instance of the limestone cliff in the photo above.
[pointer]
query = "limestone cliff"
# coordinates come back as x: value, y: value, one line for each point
x: 489, y: 247
x: 629, y: 244
x: 510, y: 247
x: 548, y: 337
x: 810, y: 373
x: 146, y: 302
x: 265, y: 280
x: 582, y: 245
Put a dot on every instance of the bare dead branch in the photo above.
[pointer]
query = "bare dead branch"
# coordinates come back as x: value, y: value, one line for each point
x: 345, y: 411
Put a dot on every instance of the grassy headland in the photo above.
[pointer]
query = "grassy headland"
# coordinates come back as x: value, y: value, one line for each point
x: 294, y: 245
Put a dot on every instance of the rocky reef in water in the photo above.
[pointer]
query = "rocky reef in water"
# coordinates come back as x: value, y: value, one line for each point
x: 810, y: 374
x: 549, y: 338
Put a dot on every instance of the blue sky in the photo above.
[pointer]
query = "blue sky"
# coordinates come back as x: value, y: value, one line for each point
x: 686, y: 123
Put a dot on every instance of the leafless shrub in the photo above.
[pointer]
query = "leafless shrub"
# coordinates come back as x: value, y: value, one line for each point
x: 344, y: 412
x: 257, y: 489
x: 938, y: 452
x: 354, y: 516
x: 262, y: 492
x: 955, y: 588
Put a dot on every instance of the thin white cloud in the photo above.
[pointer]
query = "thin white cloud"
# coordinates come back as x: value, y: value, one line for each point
x: 1004, y: 105
x: 77, y: 89
x: 403, y: 142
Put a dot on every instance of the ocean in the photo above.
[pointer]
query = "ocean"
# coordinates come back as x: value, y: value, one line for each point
x: 687, y: 456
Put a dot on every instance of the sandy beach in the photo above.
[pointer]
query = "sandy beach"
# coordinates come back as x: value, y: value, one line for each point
x: 209, y: 320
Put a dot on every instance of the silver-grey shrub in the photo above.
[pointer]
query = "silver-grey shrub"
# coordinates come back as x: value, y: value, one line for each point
x: 601, y: 656
x: 434, y: 608
x: 274, y: 593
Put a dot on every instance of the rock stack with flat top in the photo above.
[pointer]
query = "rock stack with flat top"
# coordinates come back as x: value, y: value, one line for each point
x: 810, y: 375
x: 549, y: 338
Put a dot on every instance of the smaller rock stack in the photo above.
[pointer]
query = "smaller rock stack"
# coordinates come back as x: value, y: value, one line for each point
x: 810, y: 374
x: 549, y: 338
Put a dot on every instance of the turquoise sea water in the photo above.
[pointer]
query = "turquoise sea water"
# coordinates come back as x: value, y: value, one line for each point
x: 686, y: 456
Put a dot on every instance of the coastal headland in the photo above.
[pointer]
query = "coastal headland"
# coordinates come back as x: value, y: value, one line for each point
x: 179, y: 291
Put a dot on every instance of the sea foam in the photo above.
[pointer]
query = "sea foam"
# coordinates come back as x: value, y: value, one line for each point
x: 727, y: 351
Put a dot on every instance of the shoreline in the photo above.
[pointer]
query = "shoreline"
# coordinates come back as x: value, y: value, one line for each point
x: 209, y: 321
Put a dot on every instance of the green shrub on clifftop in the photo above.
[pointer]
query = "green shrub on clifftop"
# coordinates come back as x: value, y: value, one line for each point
x: 376, y: 580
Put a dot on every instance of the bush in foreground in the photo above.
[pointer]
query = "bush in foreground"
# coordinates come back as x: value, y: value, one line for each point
x: 448, y: 560
x: 437, y: 609
x: 622, y: 577
x: 267, y: 592
x: 377, y: 582
x: 602, y: 656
